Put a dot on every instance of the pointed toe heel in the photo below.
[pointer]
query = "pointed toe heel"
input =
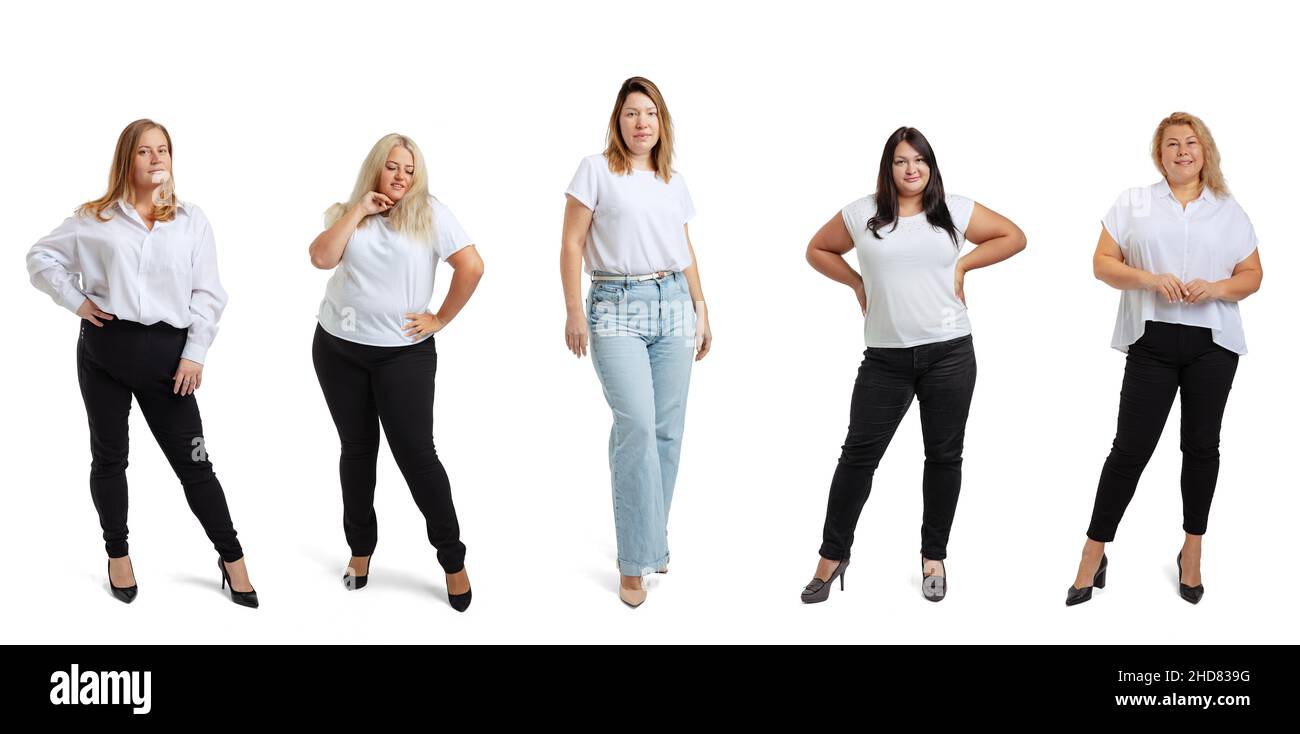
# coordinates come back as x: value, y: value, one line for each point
x: 1190, y: 594
x: 242, y: 598
x: 125, y: 594
x: 1075, y: 595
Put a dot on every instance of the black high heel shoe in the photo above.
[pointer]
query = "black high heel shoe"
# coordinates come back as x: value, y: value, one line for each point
x: 818, y: 590
x: 459, y: 602
x: 122, y: 593
x: 1190, y: 594
x: 353, y: 581
x: 242, y: 598
x: 1079, y: 596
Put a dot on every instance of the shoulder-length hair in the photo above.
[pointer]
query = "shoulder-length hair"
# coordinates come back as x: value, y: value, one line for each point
x: 119, y: 176
x: 932, y: 199
x: 1211, y: 174
x: 412, y: 215
x: 616, y: 150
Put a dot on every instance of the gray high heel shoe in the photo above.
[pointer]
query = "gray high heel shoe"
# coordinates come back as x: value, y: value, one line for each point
x: 818, y: 590
x: 935, y: 586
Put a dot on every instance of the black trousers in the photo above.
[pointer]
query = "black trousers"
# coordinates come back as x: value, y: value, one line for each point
x: 1168, y: 359
x: 941, y: 376
x: 125, y: 358
x: 365, y: 386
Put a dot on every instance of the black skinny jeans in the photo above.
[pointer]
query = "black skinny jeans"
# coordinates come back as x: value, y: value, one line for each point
x: 124, y: 358
x: 941, y: 376
x: 365, y: 386
x: 1168, y: 359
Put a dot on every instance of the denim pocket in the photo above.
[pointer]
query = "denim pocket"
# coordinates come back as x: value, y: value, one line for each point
x: 608, y: 293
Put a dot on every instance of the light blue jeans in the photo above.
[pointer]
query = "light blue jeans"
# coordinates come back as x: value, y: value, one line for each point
x: 642, y: 337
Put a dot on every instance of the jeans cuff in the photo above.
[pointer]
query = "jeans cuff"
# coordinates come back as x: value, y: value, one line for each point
x: 631, y: 568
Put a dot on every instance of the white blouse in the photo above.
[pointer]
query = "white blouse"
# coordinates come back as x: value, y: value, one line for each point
x: 168, y: 273
x: 637, y: 221
x: 1206, y: 240
x: 385, y: 275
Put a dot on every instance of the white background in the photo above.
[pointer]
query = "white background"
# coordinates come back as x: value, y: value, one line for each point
x: 1039, y: 111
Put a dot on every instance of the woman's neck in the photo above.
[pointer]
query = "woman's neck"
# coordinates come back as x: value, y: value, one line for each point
x: 909, y: 205
x: 1187, y: 192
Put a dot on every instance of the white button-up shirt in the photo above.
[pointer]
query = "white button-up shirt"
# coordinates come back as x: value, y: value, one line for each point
x: 1206, y: 240
x: 165, y: 274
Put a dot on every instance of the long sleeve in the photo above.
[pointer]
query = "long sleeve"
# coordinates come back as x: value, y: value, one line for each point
x: 207, y: 300
x: 53, y: 267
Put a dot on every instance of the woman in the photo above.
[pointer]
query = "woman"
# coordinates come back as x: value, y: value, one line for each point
x: 908, y: 237
x: 140, y: 266
x: 1183, y: 252
x: 374, y: 347
x: 625, y: 222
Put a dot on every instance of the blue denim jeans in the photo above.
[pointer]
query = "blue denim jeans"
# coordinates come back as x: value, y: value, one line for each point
x: 642, y: 337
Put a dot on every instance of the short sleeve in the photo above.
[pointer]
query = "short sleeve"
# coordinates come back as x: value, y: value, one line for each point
x: 585, y: 182
x: 960, y: 209
x: 1116, y: 219
x: 1245, y: 242
x: 688, y: 206
x: 449, y: 235
x: 854, y: 215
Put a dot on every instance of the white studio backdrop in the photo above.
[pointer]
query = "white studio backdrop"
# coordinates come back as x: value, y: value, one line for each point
x: 1042, y: 112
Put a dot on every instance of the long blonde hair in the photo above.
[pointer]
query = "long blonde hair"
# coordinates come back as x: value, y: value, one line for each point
x: 413, y: 214
x: 616, y: 150
x: 1211, y: 174
x: 119, y: 176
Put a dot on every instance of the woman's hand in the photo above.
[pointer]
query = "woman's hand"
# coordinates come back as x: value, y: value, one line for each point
x: 375, y: 203
x: 188, y: 377
x: 860, y: 290
x: 703, y: 334
x: 1203, y: 290
x: 422, y: 324
x: 90, y: 312
x: 959, y: 284
x: 575, y: 334
x: 1167, y: 285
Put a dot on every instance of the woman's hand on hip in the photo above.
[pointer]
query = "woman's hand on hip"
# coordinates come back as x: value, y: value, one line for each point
x: 188, y: 377
x: 422, y: 324
x: 90, y: 312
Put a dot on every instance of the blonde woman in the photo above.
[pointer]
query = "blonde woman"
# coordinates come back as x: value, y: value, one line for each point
x: 374, y: 346
x: 139, y: 266
x: 644, y: 317
x: 1183, y: 253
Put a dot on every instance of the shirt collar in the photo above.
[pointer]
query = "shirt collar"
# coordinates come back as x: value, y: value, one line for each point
x: 129, y: 210
x: 1161, y: 189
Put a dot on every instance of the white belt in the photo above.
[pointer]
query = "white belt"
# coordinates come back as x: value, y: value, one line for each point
x: 660, y: 275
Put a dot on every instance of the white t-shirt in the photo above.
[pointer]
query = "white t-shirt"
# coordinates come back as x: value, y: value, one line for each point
x: 908, y: 274
x: 637, y: 222
x: 384, y: 275
x: 1205, y: 240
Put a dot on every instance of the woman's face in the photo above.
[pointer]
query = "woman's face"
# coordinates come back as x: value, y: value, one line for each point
x: 152, y: 164
x: 1181, y: 154
x: 398, y: 173
x: 639, y: 123
x: 911, y: 170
